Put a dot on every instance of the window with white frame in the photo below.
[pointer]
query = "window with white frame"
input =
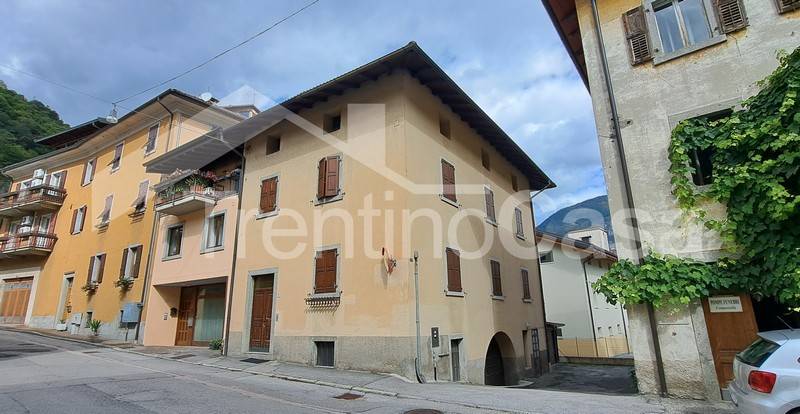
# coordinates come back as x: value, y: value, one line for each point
x: 130, y: 264
x: 152, y: 134
x: 88, y: 171
x: 215, y: 228
x: 174, y: 239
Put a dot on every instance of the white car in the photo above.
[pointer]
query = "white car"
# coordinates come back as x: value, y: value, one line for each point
x: 767, y: 374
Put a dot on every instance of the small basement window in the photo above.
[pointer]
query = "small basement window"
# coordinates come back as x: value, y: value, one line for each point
x: 332, y: 122
x: 444, y: 126
x: 324, y: 353
x: 273, y: 144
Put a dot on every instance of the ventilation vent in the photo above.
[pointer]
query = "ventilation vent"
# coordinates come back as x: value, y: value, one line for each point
x: 731, y: 15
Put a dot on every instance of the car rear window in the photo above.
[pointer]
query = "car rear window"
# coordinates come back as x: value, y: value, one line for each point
x: 758, y: 352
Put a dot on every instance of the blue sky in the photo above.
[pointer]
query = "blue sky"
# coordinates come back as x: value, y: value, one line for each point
x: 505, y: 55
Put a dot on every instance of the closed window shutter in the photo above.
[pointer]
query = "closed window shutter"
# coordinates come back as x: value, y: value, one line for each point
x: 639, y: 48
x: 74, y: 219
x: 518, y: 222
x: 152, y: 134
x: 102, y: 266
x: 526, y: 285
x: 497, y: 287
x: 321, y: 178
x: 137, y: 260
x: 332, y: 177
x: 787, y: 5
x: 453, y: 270
x: 124, y: 262
x: 448, y: 181
x: 91, y: 268
x: 269, y: 195
x: 325, y: 277
x: 263, y: 204
x: 490, y: 204
x: 731, y: 15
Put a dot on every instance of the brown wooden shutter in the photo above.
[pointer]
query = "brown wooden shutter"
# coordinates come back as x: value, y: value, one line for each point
x: 448, y: 181
x: 137, y: 261
x: 83, y: 219
x: 83, y: 176
x: 497, y: 286
x: 63, y: 179
x: 124, y: 261
x: 263, y: 204
x: 74, y: 219
x: 490, y: 204
x: 731, y: 15
x: 785, y: 6
x: 321, y: 174
x: 269, y: 195
x: 91, y: 267
x: 102, y: 268
x: 526, y: 285
x: 635, y: 25
x: 94, y: 168
x: 325, y: 272
x: 332, y: 177
x: 453, y: 270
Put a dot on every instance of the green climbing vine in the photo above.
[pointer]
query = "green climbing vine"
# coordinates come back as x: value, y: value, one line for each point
x: 755, y: 154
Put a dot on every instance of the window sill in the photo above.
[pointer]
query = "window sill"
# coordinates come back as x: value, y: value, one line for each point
x: 521, y: 237
x: 102, y: 225
x: 527, y: 300
x: 272, y: 213
x: 449, y: 201
x: 113, y: 170
x: 319, y: 202
x: 168, y: 258
x: 495, y: 297
x: 666, y: 57
x: 146, y: 153
x: 490, y: 221
x: 333, y: 295
x: 212, y: 249
x: 86, y: 184
x: 454, y: 293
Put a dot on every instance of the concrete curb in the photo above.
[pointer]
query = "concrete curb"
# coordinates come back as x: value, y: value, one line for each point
x: 364, y: 390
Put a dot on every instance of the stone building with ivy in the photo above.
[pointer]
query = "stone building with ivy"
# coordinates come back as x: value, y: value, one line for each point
x: 648, y: 65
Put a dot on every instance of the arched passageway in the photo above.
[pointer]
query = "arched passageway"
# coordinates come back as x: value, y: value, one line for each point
x: 498, y: 366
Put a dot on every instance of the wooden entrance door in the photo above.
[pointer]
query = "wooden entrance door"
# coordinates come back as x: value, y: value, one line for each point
x: 261, y: 319
x: 729, y: 333
x: 16, y: 293
x: 186, y: 313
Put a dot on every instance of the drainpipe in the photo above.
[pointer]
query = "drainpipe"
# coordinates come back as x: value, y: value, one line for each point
x: 589, y: 302
x: 418, y: 359
x: 153, y: 231
x: 231, y: 278
x: 630, y: 207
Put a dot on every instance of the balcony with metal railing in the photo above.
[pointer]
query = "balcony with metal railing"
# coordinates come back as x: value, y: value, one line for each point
x: 38, y: 198
x: 187, y: 191
x: 33, y: 243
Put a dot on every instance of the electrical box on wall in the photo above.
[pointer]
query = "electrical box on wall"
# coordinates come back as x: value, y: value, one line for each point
x: 435, y: 337
x: 131, y: 312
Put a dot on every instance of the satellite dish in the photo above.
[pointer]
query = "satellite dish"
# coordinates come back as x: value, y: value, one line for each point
x: 206, y: 96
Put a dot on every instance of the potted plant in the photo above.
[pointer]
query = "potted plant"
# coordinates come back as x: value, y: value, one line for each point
x: 61, y: 325
x: 94, y: 326
x: 215, y: 344
x: 90, y: 288
x: 123, y: 283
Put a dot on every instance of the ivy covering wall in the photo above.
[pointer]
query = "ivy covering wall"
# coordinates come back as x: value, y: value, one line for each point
x: 755, y: 154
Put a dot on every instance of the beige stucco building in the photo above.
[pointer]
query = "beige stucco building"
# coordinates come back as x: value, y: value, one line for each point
x: 346, y: 188
x: 660, y: 62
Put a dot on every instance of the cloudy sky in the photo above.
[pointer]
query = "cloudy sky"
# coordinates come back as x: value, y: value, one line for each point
x: 506, y: 55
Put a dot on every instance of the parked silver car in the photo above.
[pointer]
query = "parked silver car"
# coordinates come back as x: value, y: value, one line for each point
x: 767, y: 374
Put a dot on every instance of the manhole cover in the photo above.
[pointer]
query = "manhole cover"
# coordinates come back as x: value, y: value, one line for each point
x: 254, y: 360
x: 348, y: 396
x: 182, y: 356
x: 423, y: 411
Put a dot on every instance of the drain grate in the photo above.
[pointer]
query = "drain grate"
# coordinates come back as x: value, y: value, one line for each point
x: 182, y: 356
x: 423, y: 411
x: 348, y: 396
x: 254, y: 360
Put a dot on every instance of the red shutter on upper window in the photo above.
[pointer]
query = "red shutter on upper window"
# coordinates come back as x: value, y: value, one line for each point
x: 448, y: 181
x: 497, y: 286
x: 635, y: 26
x: 490, y: 204
x: 101, y: 268
x: 332, y: 177
x: 453, y: 270
x: 526, y: 285
x: 321, y: 178
x: 269, y: 195
x: 325, y: 272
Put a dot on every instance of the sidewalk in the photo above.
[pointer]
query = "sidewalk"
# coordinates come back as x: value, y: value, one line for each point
x: 498, y: 399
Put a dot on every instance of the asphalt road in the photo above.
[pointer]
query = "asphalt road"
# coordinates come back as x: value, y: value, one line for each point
x: 46, y: 375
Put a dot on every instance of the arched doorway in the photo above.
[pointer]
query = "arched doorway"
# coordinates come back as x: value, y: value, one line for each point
x: 498, y: 366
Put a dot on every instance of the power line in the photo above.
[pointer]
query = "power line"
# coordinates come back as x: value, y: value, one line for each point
x: 220, y: 54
